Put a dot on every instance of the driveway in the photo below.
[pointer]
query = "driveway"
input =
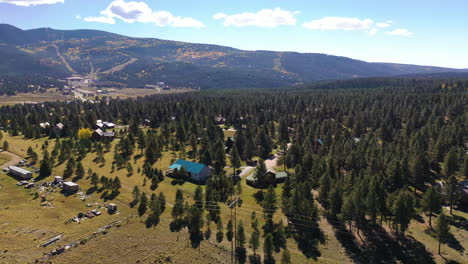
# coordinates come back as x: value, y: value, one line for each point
x: 271, y: 163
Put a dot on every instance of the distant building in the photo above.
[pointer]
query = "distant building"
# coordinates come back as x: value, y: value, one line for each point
x: 44, y: 125
x: 69, y: 186
x: 111, y: 208
x: 59, y: 126
x: 58, y: 179
x: 219, y: 120
x: 196, y: 171
x: 99, y: 134
x: 104, y: 125
x: 20, y: 172
x: 279, y: 177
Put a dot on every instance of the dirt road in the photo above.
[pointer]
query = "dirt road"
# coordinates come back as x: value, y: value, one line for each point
x: 14, y: 159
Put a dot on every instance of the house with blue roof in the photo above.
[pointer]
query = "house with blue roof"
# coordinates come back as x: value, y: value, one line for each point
x: 196, y: 171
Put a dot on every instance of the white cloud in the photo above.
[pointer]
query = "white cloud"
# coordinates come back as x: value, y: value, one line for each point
x: 339, y: 23
x: 372, y: 31
x: 384, y: 24
x: 131, y: 12
x: 31, y: 2
x: 402, y: 32
x: 270, y: 18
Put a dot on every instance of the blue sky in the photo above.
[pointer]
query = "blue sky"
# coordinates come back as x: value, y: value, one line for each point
x: 411, y: 31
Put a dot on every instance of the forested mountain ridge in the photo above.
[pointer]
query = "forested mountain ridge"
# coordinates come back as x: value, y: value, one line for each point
x: 181, y: 64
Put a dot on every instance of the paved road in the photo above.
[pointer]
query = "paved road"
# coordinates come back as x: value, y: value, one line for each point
x: 79, y: 95
x: 14, y: 159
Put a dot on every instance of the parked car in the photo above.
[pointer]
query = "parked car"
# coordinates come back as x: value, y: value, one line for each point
x: 96, y: 212
x: 90, y: 215
x: 21, y: 183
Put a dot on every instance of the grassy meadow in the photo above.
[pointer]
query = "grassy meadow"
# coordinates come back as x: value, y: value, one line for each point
x: 25, y: 224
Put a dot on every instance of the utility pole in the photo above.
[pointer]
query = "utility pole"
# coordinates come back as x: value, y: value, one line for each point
x: 233, y: 205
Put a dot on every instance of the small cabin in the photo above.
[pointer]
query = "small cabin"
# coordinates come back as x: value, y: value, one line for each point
x: 69, y: 186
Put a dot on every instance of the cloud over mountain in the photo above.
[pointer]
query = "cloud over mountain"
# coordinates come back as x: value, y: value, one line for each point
x: 269, y: 18
x: 131, y: 12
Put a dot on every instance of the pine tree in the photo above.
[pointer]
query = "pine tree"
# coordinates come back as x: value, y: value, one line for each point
x: 419, y: 169
x: 162, y: 201
x: 452, y: 192
x: 219, y: 231
x: 153, y: 217
x: 5, y: 145
x: 198, y: 197
x: 143, y: 204
x: 335, y: 201
x: 229, y: 231
x: 324, y: 189
x: 451, y: 162
x: 70, y: 168
x: 260, y: 173
x: 195, y: 224
x: 94, y: 180
x: 178, y: 210
x: 241, y: 253
x: 80, y: 172
x: 45, y: 169
x: 116, y: 184
x: 442, y: 230
x: 402, y: 208
x: 431, y: 202
x: 347, y: 212
x: 254, y: 241
x: 235, y: 159
x: 269, y: 203
x: 268, y: 248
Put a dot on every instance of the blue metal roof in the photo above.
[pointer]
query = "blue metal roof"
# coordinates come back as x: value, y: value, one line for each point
x: 191, y: 167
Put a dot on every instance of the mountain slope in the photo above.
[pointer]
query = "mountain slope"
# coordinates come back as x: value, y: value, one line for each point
x: 180, y: 64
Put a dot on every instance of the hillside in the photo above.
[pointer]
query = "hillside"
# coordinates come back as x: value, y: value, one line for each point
x: 179, y: 64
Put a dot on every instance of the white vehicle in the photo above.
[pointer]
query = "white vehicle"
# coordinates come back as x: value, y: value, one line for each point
x: 21, y: 183
x: 96, y: 212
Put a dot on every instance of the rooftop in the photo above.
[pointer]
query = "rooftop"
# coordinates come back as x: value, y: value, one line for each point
x: 18, y: 169
x: 190, y: 166
x: 69, y: 183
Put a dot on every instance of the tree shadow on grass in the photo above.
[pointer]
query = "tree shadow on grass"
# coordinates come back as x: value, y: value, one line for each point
x: 177, y: 182
x: 106, y: 196
x: 348, y: 241
x: 380, y: 247
x: 459, y: 222
x: 455, y: 244
x: 402, y: 249
x: 308, y: 237
x: 91, y: 190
